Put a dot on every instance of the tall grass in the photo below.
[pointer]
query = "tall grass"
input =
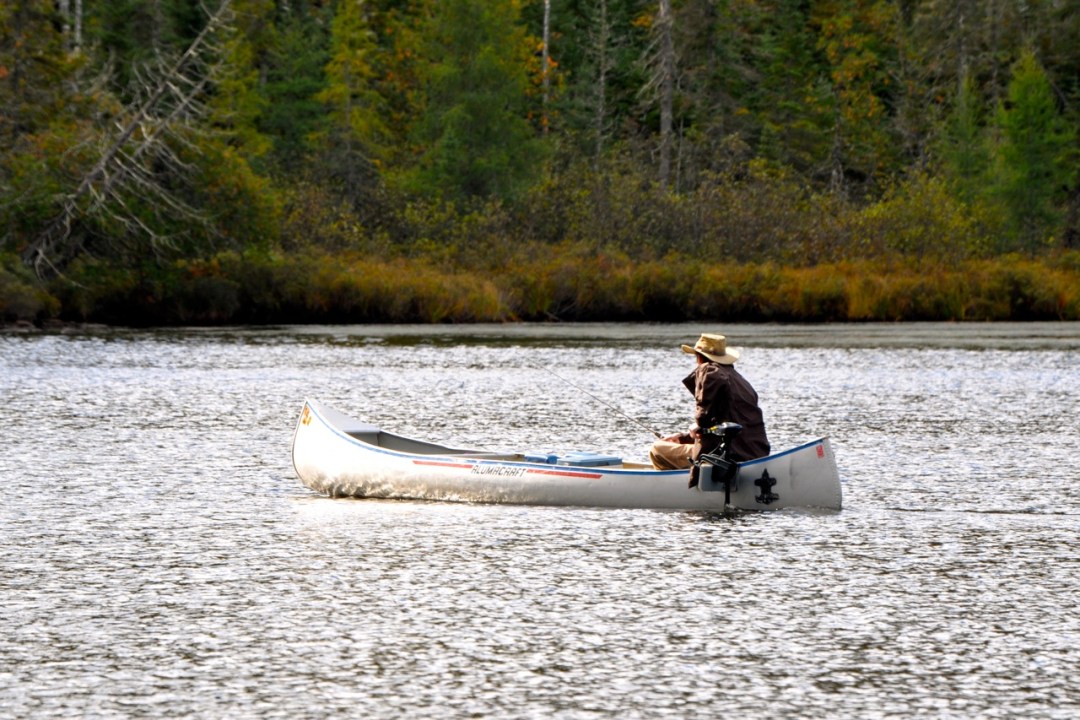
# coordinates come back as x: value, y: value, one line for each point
x: 543, y: 283
x: 231, y: 288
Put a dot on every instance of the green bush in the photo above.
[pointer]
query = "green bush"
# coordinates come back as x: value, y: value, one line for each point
x: 919, y: 218
x: 22, y: 299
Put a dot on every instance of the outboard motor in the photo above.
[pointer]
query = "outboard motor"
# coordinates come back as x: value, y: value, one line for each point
x: 716, y: 469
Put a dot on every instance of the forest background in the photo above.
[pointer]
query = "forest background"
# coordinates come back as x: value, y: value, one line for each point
x: 254, y: 161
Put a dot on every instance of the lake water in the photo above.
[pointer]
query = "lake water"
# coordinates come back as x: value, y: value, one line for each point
x: 159, y: 558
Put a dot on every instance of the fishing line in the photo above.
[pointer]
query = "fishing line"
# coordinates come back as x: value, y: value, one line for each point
x: 605, y: 403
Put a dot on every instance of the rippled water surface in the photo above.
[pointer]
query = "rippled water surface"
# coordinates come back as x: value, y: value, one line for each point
x: 158, y: 557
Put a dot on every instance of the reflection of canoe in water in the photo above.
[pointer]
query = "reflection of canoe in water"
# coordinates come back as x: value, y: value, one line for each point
x: 342, y: 457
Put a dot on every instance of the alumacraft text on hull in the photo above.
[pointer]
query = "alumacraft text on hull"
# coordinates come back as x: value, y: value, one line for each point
x: 343, y: 457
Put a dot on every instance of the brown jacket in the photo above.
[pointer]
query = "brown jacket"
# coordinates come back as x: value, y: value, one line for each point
x: 723, y: 395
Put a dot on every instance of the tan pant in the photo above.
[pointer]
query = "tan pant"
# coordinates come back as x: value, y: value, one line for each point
x: 667, y: 455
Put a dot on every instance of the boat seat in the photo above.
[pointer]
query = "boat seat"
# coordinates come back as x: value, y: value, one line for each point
x: 575, y: 458
x: 364, y: 433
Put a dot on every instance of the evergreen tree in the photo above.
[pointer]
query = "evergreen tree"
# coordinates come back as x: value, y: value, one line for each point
x: 293, y: 72
x: 1033, y: 163
x: 396, y: 63
x: 33, y: 68
x: 129, y: 35
x: 858, y: 38
x: 355, y: 136
x: 767, y: 84
x: 45, y: 134
x: 963, y: 146
x: 237, y: 104
x: 596, y: 48
x: 474, y: 136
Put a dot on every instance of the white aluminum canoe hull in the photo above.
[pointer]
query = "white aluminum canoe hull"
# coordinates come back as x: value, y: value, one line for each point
x: 342, y: 457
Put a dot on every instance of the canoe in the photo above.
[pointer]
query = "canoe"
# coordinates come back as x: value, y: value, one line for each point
x: 339, y: 456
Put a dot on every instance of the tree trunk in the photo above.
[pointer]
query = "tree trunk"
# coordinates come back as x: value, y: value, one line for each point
x: 602, y: 39
x: 78, y: 25
x: 667, y: 89
x: 544, y: 74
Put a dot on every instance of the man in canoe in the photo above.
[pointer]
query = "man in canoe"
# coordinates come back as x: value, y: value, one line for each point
x: 722, y: 395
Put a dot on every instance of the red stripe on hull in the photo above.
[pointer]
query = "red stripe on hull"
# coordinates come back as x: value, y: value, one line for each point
x: 591, y: 476
x: 465, y: 466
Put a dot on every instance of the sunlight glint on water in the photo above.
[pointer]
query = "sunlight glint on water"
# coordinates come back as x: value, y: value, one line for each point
x: 158, y: 557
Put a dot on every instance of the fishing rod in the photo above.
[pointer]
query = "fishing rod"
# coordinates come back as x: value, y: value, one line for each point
x: 607, y: 404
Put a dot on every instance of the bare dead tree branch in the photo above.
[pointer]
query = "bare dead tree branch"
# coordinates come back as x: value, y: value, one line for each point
x: 171, y: 100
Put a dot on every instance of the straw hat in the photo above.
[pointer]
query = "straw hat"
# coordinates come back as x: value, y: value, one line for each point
x: 715, y: 348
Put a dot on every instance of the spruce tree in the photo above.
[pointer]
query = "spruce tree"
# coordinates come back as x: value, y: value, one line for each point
x: 355, y: 135
x: 474, y: 136
x: 1033, y: 171
x: 963, y: 149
